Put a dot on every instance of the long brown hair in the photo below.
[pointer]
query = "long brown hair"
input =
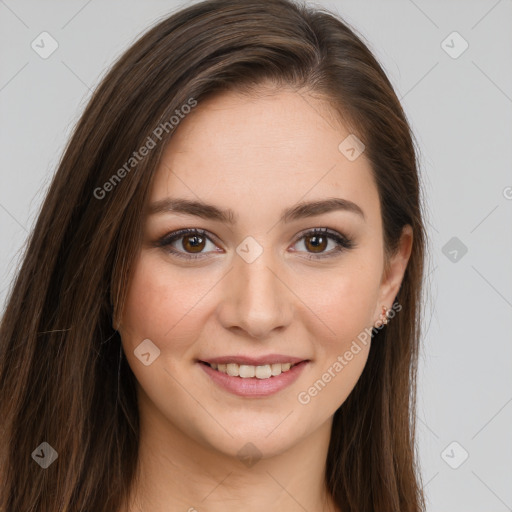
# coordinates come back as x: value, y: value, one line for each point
x: 63, y: 377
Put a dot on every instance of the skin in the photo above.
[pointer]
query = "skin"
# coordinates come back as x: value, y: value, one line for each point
x: 256, y: 155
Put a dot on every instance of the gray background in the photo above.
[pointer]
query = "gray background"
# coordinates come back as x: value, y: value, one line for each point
x: 460, y: 110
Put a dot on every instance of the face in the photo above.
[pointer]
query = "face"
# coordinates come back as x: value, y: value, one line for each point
x: 252, y: 283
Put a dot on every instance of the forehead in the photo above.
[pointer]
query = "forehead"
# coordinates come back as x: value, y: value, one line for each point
x: 262, y: 152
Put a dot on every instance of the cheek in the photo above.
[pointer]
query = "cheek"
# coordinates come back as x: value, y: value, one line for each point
x: 161, y: 305
x: 345, y: 304
x: 346, y: 300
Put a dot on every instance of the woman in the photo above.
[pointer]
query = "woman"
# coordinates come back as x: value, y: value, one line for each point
x: 219, y: 305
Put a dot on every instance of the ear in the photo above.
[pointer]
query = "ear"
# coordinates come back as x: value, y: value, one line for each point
x: 394, y: 272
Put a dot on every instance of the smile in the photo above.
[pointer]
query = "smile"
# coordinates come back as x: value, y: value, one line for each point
x: 253, y: 381
x: 246, y: 371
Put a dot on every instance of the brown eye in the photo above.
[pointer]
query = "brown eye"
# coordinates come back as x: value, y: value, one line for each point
x: 188, y: 244
x: 318, y: 243
x: 193, y: 243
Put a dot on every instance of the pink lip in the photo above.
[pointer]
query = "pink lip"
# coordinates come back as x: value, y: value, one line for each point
x: 255, y: 361
x: 254, y: 387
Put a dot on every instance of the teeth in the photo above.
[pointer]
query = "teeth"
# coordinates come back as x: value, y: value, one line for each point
x: 246, y: 371
x: 263, y: 372
x: 233, y: 370
x: 276, y: 369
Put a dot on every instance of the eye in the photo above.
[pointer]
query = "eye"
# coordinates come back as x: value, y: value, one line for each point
x: 193, y: 240
x: 316, y: 241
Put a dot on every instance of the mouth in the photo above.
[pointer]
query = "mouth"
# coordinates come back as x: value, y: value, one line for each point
x: 238, y: 377
x: 247, y: 371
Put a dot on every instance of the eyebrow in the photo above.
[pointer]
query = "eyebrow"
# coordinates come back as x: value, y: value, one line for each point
x: 228, y: 216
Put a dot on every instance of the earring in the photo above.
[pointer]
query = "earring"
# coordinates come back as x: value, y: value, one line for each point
x: 384, y: 316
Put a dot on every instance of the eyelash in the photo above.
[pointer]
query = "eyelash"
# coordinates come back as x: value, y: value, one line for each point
x: 343, y: 242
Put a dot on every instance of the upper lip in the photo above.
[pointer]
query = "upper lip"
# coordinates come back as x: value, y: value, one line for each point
x: 254, y: 361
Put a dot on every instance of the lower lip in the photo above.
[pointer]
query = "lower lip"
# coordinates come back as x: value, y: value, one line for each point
x: 254, y: 387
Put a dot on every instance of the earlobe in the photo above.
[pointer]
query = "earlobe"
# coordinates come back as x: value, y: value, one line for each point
x: 383, y: 319
x: 115, y: 323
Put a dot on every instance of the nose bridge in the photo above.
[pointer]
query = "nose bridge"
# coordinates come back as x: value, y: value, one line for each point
x: 257, y: 300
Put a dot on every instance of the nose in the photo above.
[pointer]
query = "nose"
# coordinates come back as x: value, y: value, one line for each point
x: 256, y: 299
